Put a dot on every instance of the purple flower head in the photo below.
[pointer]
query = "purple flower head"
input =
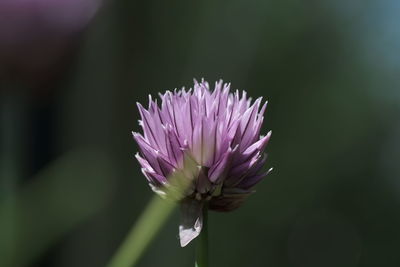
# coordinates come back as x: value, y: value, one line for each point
x: 216, y: 131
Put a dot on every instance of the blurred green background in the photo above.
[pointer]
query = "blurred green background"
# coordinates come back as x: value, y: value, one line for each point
x: 71, y: 188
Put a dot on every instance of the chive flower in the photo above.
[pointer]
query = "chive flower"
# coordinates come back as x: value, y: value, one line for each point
x: 216, y: 131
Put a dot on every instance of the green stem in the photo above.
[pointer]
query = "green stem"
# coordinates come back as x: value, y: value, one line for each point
x: 202, y: 242
x: 145, y: 229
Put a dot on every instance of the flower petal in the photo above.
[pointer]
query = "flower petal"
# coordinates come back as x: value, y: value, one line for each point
x: 218, y: 172
x: 249, y: 182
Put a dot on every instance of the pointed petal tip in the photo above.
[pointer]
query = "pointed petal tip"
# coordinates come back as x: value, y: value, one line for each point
x: 140, y: 107
x: 136, y: 135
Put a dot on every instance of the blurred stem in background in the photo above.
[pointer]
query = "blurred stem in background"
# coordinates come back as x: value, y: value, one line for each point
x: 153, y: 217
x: 43, y: 211
x: 146, y: 228
x: 202, y: 242
x: 12, y: 120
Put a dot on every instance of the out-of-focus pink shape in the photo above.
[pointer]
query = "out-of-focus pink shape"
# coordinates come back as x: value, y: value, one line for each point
x: 35, y: 35
x: 25, y: 19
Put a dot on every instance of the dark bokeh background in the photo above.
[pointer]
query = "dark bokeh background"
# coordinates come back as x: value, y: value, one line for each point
x: 71, y: 188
